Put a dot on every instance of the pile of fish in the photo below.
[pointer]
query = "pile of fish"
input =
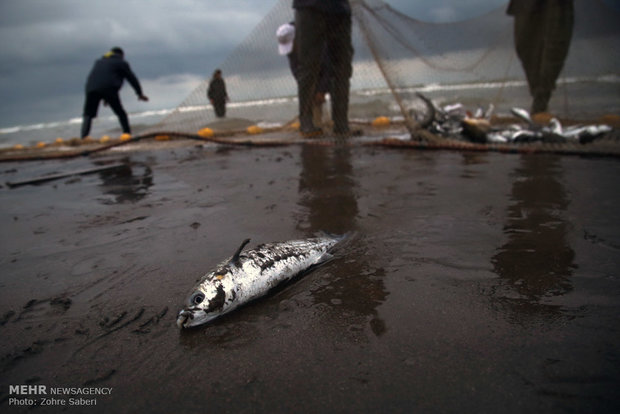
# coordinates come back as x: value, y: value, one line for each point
x: 456, y: 121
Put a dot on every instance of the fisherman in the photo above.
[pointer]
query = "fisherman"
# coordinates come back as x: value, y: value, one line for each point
x: 104, y: 81
x: 319, y: 23
x: 286, y: 47
x: 542, y: 33
x: 217, y: 93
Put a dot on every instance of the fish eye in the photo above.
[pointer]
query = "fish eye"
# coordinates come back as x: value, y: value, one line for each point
x: 198, y: 298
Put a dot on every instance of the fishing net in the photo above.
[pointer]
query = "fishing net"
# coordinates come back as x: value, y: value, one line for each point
x: 471, y: 62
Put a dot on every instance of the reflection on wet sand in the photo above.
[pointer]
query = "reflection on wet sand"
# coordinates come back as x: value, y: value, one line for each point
x: 327, y: 193
x: 536, y: 262
x: 396, y: 323
x: 127, y: 185
x: 327, y: 190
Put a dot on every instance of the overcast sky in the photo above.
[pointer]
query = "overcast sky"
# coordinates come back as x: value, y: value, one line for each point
x: 48, y: 47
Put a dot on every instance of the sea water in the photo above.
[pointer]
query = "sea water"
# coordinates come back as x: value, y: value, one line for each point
x: 578, y: 98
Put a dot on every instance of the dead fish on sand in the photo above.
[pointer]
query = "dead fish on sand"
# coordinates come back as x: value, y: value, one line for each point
x: 250, y: 274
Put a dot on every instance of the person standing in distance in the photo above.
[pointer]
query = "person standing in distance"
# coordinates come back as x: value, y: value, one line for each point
x: 104, y: 82
x: 217, y: 94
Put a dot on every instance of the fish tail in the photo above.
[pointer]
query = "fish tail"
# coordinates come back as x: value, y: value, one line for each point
x: 337, y: 237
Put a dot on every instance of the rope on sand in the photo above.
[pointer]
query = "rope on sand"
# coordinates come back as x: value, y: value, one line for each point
x: 59, y: 176
x: 604, y: 147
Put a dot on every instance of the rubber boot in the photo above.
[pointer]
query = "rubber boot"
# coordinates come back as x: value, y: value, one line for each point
x: 86, y: 121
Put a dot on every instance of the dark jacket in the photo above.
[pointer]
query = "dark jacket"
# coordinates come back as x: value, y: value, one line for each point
x: 530, y: 6
x: 217, y: 89
x: 325, y: 6
x: 109, y: 72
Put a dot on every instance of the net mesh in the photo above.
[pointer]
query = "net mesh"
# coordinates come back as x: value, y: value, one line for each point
x: 472, y: 62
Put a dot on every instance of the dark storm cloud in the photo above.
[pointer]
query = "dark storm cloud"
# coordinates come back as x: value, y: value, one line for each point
x: 49, y: 47
x: 37, y: 31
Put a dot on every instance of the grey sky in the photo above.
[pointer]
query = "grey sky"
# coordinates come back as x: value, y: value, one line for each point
x: 48, y: 47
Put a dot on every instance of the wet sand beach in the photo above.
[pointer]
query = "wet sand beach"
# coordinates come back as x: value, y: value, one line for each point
x: 471, y: 282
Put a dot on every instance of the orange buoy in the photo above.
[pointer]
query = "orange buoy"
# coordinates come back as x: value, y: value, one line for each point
x: 381, y: 121
x: 254, y: 129
x: 206, y: 132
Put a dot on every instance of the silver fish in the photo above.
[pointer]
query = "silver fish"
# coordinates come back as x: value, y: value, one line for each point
x: 523, y: 114
x: 250, y: 274
x: 489, y: 112
x: 586, y: 132
x: 554, y: 132
x: 555, y: 127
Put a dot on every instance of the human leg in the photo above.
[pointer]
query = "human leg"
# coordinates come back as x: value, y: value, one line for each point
x: 528, y: 34
x: 340, y: 51
x: 317, y: 113
x: 556, y: 38
x: 219, y: 105
x: 91, y: 105
x: 86, y: 123
x: 114, y: 101
x: 309, y: 40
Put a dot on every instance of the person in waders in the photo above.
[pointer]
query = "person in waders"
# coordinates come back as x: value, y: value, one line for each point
x: 103, y: 83
x: 542, y: 36
x: 320, y: 24
x: 286, y: 47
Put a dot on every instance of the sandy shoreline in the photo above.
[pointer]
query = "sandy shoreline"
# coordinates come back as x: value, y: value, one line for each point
x: 475, y: 281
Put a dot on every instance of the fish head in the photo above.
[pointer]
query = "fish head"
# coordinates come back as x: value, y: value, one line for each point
x: 207, y: 301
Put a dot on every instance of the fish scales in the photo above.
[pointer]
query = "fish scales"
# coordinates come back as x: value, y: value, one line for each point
x: 250, y: 274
